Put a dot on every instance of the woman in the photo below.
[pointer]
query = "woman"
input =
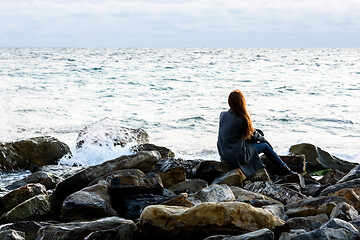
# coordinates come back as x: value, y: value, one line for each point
x: 238, y: 142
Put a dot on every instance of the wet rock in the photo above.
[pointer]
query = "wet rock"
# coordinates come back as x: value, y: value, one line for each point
x: 30, y: 228
x: 212, y: 193
x: 164, y: 152
x: 344, y: 211
x: 209, y: 170
x: 61, y: 171
x: 331, y: 177
x: 19, y: 195
x: 282, y: 194
x: 189, y: 186
x: 31, y: 153
x: 79, y: 230
x: 312, y: 206
x: 354, y: 184
x: 133, y: 205
x: 232, y: 178
x: 35, y: 208
x: 353, y: 174
x: 294, y: 162
x: 259, y: 175
x: 88, y: 203
x: 317, y: 159
x: 170, y: 222
x: 12, y: 235
x: 142, y: 160
x: 262, y: 234
x: 246, y: 196
x: 108, y: 132
x: 47, y: 179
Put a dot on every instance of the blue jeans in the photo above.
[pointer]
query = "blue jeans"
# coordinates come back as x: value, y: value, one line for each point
x: 263, y: 147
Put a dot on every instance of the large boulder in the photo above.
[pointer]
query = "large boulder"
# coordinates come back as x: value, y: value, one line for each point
x: 318, y: 159
x: 144, y: 161
x: 88, y: 203
x: 35, y: 208
x: 31, y: 153
x: 212, y: 193
x: 203, y: 220
x: 19, y: 195
x: 109, y: 132
x: 164, y: 152
x: 275, y: 191
x: 82, y: 230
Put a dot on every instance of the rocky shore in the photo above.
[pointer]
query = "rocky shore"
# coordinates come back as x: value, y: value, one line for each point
x: 151, y: 194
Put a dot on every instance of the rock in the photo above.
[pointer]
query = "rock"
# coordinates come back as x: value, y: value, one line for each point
x: 80, y: 230
x: 354, y: 184
x: 298, y: 223
x: 88, y: 203
x: 47, y: 179
x: 31, y: 153
x: 262, y: 234
x: 189, y: 186
x: 350, y: 195
x: 209, y: 170
x: 294, y: 162
x: 277, y: 210
x: 246, y: 196
x: 292, y: 186
x: 313, y: 189
x: 212, y: 193
x: 259, y: 175
x: 134, y: 181
x: 293, y: 178
x: 353, y: 174
x: 12, y: 235
x: 317, y: 159
x: 232, y: 178
x: 35, y: 208
x: 337, y: 223
x: 321, y: 218
x: 190, y: 166
x: 61, y: 171
x: 19, y: 195
x: 133, y: 205
x: 344, y: 211
x: 312, y: 206
x: 181, y: 200
x: 108, y: 132
x: 203, y: 220
x: 164, y: 152
x: 142, y: 160
x: 291, y: 234
x: 123, y: 232
x: 30, y: 228
x: 282, y: 194
x: 331, y: 177
x: 326, y: 234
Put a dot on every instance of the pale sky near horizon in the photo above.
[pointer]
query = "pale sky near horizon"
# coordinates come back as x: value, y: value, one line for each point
x: 185, y: 23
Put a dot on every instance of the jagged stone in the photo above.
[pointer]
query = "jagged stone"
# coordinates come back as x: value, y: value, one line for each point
x: 212, y: 193
x: 12, y: 235
x: 123, y: 232
x: 317, y: 159
x: 312, y: 206
x: 88, y: 203
x: 354, y: 184
x: 353, y: 174
x: 277, y: 210
x: 19, y: 195
x: 293, y: 186
x: 170, y: 222
x: 47, y: 179
x: 232, y: 178
x: 35, y: 208
x: 344, y: 211
x: 313, y: 190
x: 180, y: 200
x: 30, y: 228
x: 293, y: 178
x: 259, y: 175
x: 80, y: 230
x: 108, y: 132
x: 246, y: 196
x: 282, y: 194
x: 321, y: 218
x: 262, y: 234
x: 189, y: 186
x: 31, y: 153
x: 331, y: 177
x: 164, y: 152
x: 350, y: 195
x: 142, y: 160
x: 294, y: 162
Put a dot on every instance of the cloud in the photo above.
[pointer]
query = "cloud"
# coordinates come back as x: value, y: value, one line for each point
x: 121, y: 23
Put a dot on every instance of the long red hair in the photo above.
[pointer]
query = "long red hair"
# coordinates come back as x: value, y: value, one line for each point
x: 237, y: 103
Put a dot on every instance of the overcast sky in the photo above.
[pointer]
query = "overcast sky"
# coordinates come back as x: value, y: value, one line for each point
x: 180, y: 23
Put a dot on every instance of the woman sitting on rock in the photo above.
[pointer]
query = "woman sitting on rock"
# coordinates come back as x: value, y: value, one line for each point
x: 239, y: 143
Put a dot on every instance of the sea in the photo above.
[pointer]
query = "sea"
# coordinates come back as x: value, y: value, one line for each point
x: 294, y: 95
